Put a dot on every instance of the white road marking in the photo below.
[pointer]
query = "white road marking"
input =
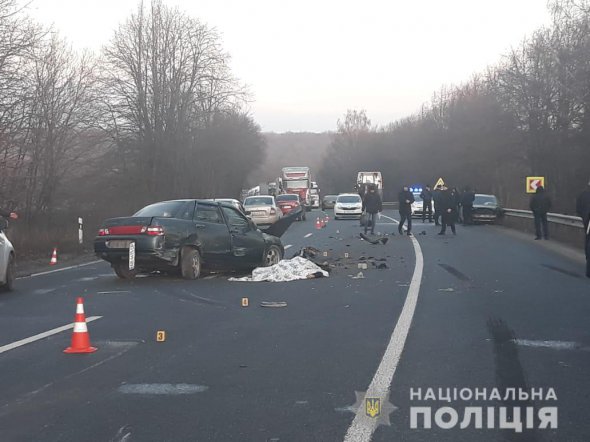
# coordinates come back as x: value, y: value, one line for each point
x: 172, y: 389
x: 288, y: 246
x: 308, y: 235
x: 556, y: 345
x: 54, y: 331
x: 363, y: 427
x: 60, y: 270
x: 114, y: 292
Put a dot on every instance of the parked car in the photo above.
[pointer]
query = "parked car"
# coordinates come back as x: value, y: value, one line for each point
x: 348, y: 205
x: 290, y: 202
x: 232, y: 202
x: 186, y: 236
x: 328, y: 202
x: 418, y: 205
x: 262, y: 209
x: 486, y: 209
x: 7, y: 258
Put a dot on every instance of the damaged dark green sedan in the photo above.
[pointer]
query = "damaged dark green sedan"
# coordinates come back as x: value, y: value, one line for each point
x: 186, y: 236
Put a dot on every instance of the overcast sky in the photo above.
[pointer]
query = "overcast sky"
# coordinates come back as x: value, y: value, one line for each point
x: 307, y: 61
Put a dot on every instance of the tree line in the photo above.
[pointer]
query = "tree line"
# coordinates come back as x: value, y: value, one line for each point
x: 528, y: 115
x: 156, y: 114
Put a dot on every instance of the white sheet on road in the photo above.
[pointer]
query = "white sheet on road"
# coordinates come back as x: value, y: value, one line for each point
x: 286, y: 270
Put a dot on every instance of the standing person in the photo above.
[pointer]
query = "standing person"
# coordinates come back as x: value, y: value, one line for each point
x: 583, y: 209
x: 435, y: 197
x: 372, y: 204
x: 405, y: 198
x: 467, y: 199
x: 447, y: 203
x: 540, y: 205
x: 426, y: 196
x: 457, y: 199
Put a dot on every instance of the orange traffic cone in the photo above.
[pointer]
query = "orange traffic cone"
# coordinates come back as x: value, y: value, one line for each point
x: 326, y: 219
x: 80, y: 336
x: 53, y: 257
x: 318, y: 224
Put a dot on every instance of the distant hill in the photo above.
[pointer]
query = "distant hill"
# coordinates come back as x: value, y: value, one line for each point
x: 291, y: 149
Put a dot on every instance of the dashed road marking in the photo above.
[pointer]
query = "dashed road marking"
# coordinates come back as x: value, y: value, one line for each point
x: 166, y: 389
x: 363, y: 427
x: 288, y: 246
x: 308, y: 235
x: 54, y: 331
x: 555, y: 345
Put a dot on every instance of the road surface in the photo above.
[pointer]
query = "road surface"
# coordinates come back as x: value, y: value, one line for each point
x: 486, y: 309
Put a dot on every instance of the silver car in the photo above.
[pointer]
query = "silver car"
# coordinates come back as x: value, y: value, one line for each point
x: 262, y: 209
x: 7, y: 259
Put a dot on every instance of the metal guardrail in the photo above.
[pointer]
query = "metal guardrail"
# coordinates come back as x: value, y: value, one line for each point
x: 556, y: 218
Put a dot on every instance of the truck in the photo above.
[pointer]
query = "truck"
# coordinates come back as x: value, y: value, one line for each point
x: 297, y: 180
x: 364, y: 179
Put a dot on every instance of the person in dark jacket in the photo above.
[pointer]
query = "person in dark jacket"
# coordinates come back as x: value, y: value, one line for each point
x: 405, y: 198
x: 457, y: 198
x: 540, y: 205
x: 583, y: 210
x: 447, y: 204
x: 372, y: 204
x: 435, y: 196
x: 426, y: 196
x: 467, y: 198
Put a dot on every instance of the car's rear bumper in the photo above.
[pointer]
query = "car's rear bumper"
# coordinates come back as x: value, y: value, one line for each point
x: 484, y: 218
x: 149, y: 250
x: 265, y: 220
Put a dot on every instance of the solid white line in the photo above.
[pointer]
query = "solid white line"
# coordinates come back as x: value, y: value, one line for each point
x: 60, y: 270
x: 308, y: 235
x: 54, y: 331
x: 288, y: 246
x: 363, y: 427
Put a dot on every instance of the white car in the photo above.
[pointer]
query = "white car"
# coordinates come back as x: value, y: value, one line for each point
x: 348, y: 205
x: 418, y: 205
x: 6, y: 259
x: 262, y: 209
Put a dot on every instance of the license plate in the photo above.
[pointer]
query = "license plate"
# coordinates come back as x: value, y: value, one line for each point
x: 258, y: 213
x: 287, y: 207
x: 118, y: 244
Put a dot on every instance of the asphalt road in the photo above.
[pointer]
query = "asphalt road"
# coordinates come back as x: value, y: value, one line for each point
x: 493, y: 310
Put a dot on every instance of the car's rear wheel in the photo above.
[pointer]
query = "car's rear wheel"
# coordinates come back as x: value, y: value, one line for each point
x: 10, y: 275
x: 123, y: 271
x: 190, y: 263
x: 272, y: 256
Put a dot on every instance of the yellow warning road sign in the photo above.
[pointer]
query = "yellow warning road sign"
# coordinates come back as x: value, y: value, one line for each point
x: 533, y: 182
x: 440, y: 182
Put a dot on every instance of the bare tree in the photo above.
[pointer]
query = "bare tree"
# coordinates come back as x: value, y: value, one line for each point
x: 165, y: 78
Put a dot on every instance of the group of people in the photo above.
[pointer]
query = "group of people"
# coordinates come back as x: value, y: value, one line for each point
x: 447, y: 204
